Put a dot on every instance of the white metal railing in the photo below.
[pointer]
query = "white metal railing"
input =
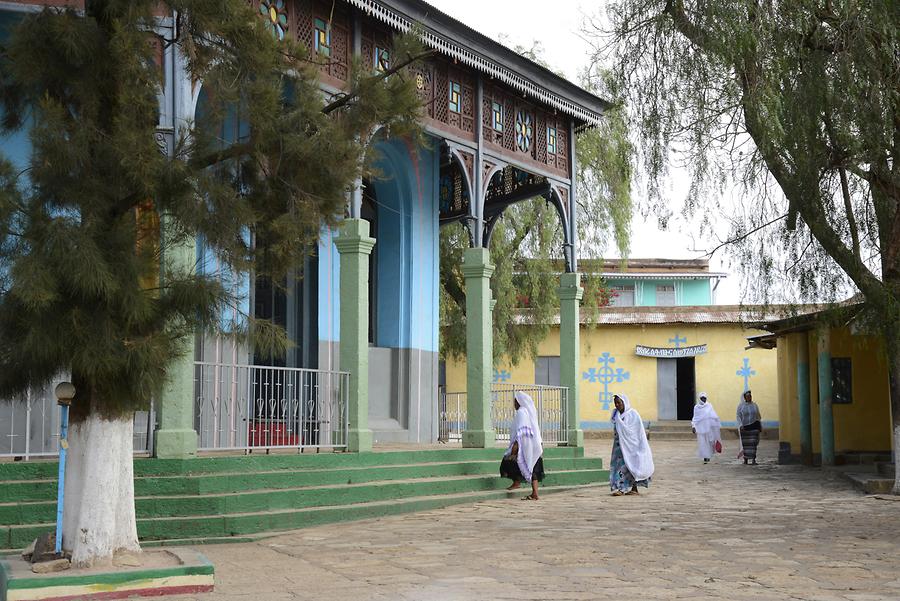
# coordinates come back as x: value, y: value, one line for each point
x: 258, y: 407
x: 550, y: 402
x: 29, y: 424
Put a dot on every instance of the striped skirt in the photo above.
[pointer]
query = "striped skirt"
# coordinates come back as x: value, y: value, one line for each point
x: 750, y: 439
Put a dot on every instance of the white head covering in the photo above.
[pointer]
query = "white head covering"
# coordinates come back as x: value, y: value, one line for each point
x: 705, y: 417
x: 633, y: 440
x: 527, y: 432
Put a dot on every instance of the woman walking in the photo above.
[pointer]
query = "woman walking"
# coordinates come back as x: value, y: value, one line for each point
x: 749, y: 426
x: 631, y: 464
x: 523, y: 457
x: 707, y: 426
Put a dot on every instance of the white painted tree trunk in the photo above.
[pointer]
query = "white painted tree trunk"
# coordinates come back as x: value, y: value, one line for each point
x: 98, y: 516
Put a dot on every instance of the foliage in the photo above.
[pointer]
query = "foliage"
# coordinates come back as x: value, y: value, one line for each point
x: 799, y: 102
x: 527, y: 244
x: 80, y: 245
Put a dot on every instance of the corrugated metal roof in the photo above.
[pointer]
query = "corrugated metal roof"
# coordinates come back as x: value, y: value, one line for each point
x: 688, y: 314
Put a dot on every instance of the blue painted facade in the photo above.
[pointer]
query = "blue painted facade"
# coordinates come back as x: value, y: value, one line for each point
x: 697, y: 292
x: 407, y: 259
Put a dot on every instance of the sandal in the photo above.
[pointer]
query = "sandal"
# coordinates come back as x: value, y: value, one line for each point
x: 618, y: 493
x: 530, y: 498
x: 632, y: 492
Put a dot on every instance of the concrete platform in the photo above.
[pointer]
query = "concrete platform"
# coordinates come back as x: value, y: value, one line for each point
x: 174, y: 571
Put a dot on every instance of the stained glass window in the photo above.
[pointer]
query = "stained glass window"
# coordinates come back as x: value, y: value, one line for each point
x: 524, y: 131
x: 551, y: 140
x: 323, y: 38
x: 455, y: 97
x: 498, y: 117
x: 382, y: 59
x: 275, y: 14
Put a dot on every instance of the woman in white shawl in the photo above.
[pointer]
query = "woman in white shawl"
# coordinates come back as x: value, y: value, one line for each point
x: 708, y: 428
x: 632, y: 462
x: 523, y: 457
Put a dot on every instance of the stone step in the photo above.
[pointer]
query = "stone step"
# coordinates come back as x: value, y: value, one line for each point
x: 239, y: 481
x: 870, y: 483
x: 282, y: 522
x: 259, y: 500
x: 886, y: 469
x: 283, y: 459
x: 389, y: 499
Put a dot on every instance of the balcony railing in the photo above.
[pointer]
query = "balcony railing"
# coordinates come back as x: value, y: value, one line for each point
x: 550, y: 402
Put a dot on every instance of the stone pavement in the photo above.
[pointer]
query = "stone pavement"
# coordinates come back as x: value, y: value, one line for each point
x: 721, y: 531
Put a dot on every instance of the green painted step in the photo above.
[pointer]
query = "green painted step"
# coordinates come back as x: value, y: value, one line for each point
x: 39, y: 470
x: 242, y: 523
x: 273, y: 500
x: 328, y: 515
x: 45, y: 490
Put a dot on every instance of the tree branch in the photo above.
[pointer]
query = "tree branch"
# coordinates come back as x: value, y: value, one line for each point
x: 745, y: 235
x: 346, y: 98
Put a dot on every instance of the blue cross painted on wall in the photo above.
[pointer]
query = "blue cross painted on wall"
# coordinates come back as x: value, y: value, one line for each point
x: 605, y: 375
x: 745, y: 372
x: 501, y: 375
x: 677, y: 340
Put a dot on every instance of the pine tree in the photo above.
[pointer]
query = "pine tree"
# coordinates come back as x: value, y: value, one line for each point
x: 80, y: 245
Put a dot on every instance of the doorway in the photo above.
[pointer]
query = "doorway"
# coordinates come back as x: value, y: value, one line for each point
x: 684, y: 388
x: 675, y: 386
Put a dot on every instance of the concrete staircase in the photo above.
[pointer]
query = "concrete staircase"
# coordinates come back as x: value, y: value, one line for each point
x: 873, y: 479
x: 231, y: 498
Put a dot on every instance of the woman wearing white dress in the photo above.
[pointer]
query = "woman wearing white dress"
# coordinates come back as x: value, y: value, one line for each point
x: 708, y: 428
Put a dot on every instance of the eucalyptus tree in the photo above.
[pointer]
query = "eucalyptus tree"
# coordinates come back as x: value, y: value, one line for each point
x: 799, y: 103
x: 80, y: 247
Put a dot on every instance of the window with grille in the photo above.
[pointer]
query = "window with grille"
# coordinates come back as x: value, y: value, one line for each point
x: 622, y: 296
x: 665, y: 296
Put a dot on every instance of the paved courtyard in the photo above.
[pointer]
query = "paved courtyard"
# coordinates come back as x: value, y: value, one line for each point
x: 722, y: 531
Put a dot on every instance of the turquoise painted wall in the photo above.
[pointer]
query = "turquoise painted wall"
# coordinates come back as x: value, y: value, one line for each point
x: 696, y: 292
x: 407, y: 243
x: 687, y: 292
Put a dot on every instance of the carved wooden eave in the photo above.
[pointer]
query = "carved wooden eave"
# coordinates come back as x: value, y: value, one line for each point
x: 464, y: 45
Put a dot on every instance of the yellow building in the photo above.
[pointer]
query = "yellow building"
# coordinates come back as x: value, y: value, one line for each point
x: 833, y: 386
x: 661, y: 357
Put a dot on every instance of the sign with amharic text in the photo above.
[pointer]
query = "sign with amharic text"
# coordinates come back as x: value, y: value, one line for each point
x: 670, y: 353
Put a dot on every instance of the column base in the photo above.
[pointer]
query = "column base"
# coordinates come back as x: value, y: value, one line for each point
x: 359, y: 441
x: 478, y: 439
x: 175, y: 444
x: 575, y: 438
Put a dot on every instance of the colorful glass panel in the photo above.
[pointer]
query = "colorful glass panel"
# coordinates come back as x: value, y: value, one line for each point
x: 498, y: 117
x: 524, y: 131
x: 446, y: 193
x: 455, y: 97
x: 275, y: 13
x: 382, y: 59
x: 551, y: 140
x: 323, y: 38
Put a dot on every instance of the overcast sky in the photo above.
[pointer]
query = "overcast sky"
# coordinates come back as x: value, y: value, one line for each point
x: 557, y: 27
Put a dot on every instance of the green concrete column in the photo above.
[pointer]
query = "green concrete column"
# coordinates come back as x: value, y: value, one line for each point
x: 570, y: 294
x: 176, y: 437
x: 477, y: 270
x: 806, y: 449
x: 826, y: 416
x: 355, y: 246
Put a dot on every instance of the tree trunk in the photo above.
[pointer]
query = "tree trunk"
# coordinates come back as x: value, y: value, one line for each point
x: 98, y: 516
x: 894, y: 378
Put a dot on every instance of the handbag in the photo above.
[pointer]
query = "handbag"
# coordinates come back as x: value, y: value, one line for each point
x: 718, y: 446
